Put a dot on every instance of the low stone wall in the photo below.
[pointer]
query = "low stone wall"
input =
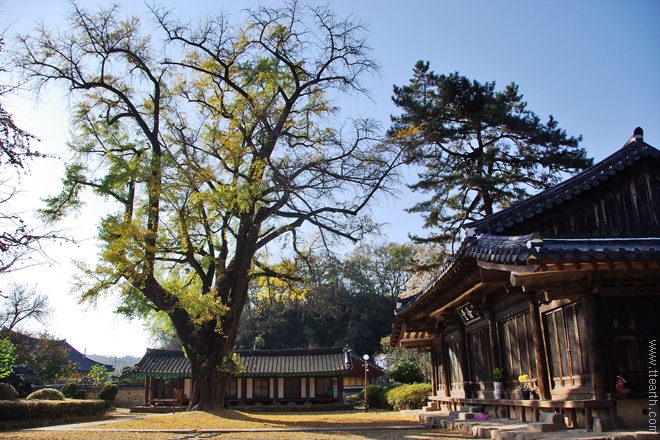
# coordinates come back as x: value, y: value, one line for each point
x: 129, y: 397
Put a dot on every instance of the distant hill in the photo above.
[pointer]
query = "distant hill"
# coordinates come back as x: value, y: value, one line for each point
x: 118, y: 362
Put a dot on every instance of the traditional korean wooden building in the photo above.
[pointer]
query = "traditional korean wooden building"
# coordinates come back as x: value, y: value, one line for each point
x: 22, y: 377
x: 166, y: 375
x: 300, y: 376
x: 563, y: 286
x: 82, y: 364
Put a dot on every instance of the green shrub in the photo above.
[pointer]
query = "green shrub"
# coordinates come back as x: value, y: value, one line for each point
x: 69, y: 390
x: 46, y: 394
x: 80, y: 394
x: 406, y: 371
x: 108, y: 393
x: 376, y: 397
x: 7, y: 392
x: 354, y: 399
x: 409, y: 396
x: 26, y: 411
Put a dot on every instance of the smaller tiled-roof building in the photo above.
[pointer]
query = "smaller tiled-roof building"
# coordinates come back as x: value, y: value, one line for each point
x: 313, y: 375
x: 21, y: 378
x: 81, y: 362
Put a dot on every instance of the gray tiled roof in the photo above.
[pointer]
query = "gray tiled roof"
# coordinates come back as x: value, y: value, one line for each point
x: 291, y: 362
x: 165, y: 362
x: 633, y: 151
x: 512, y: 249
x: 80, y: 360
x: 485, y: 245
x: 24, y: 372
x: 313, y: 361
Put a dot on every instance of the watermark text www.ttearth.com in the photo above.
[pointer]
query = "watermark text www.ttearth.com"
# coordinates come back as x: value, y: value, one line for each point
x: 653, y: 388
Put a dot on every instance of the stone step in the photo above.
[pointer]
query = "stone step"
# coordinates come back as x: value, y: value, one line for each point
x: 548, y: 422
x: 544, y: 427
x: 552, y: 418
x: 431, y: 406
x: 466, y: 415
x: 471, y: 409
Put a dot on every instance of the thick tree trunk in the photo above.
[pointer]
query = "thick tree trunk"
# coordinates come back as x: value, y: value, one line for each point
x: 208, y: 351
x: 209, y: 384
x: 209, y: 367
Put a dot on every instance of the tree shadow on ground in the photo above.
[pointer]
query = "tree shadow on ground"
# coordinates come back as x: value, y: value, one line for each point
x: 327, y: 420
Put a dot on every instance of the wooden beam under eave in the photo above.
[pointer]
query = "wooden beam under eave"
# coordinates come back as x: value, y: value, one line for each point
x: 506, y: 268
x: 577, y: 278
x: 416, y: 343
x: 420, y: 326
x: 489, y: 286
x: 535, y: 281
x: 599, y: 265
x: 495, y: 273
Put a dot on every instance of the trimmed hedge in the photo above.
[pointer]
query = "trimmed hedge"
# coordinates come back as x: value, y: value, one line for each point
x: 406, y: 372
x: 376, y: 397
x: 409, y: 396
x: 46, y: 410
x: 69, y: 390
x: 46, y: 394
x: 108, y: 393
x: 7, y: 392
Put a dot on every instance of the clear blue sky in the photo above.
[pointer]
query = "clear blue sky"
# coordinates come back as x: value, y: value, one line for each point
x: 593, y: 65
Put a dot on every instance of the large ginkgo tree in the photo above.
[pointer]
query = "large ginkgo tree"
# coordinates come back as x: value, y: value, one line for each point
x: 216, y: 140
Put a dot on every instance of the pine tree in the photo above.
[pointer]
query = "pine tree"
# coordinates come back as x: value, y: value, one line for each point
x: 480, y: 149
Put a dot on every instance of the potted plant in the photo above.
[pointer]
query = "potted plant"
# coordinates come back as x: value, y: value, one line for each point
x: 498, y: 378
x: 524, y: 386
x: 468, y: 388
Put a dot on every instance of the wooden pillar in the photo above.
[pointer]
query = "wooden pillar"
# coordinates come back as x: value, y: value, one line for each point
x: 308, y: 380
x: 274, y: 381
x: 147, y: 388
x: 462, y: 343
x: 434, y: 370
x: 494, y: 339
x: 597, y: 346
x: 539, y: 350
x: 445, y: 365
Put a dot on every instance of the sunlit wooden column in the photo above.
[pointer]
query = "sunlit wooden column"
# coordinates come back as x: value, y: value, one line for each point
x: 434, y: 369
x: 539, y: 350
x: 147, y: 387
x: 462, y: 341
x: 494, y: 339
x: 597, y: 344
x: 445, y: 365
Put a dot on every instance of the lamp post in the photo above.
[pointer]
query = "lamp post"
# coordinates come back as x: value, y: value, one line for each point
x: 366, y: 369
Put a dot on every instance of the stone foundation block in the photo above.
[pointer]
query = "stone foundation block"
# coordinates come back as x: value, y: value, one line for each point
x: 545, y: 427
x: 647, y: 436
x: 602, y: 424
x: 466, y: 416
x: 552, y: 418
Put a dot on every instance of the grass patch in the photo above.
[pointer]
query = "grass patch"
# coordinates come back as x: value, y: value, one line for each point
x: 229, y: 419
